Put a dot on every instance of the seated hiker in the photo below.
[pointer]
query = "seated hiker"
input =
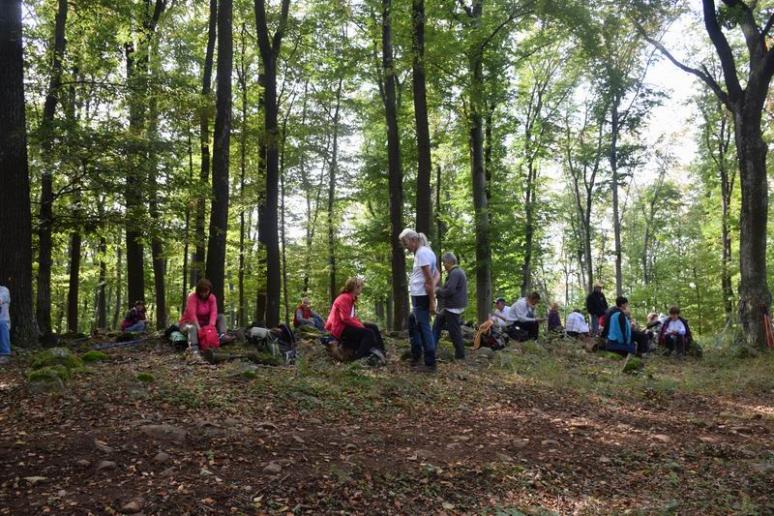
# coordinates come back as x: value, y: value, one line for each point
x: 576, y: 324
x: 305, y: 316
x: 201, y: 312
x: 640, y: 338
x: 134, y: 321
x: 361, y: 339
x: 554, y: 320
x: 500, y: 316
x: 452, y: 300
x: 675, y: 333
x: 617, y: 329
x: 522, y: 314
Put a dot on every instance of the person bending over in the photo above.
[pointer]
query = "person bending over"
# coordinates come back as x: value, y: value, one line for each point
x: 360, y: 339
x: 452, y: 300
x: 201, y: 311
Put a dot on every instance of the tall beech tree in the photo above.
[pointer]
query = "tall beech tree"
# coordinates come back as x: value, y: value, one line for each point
x: 197, y: 261
x: 746, y: 103
x: 424, y: 161
x: 46, y: 211
x: 269, y: 46
x: 395, y: 173
x: 216, y: 244
x: 15, y: 216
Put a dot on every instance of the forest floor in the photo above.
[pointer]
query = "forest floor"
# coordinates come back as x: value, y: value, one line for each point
x: 535, y: 429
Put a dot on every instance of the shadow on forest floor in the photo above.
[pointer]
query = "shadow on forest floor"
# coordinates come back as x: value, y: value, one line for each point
x: 533, y: 429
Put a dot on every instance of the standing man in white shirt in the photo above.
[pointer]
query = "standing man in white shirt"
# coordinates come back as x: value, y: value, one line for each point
x: 5, y: 325
x: 523, y: 315
x: 422, y: 290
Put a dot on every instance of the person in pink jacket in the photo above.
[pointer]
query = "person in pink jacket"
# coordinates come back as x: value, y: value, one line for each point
x: 201, y: 311
x: 363, y: 339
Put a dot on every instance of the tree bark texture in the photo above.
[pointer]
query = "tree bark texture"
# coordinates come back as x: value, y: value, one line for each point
x: 74, y: 281
x: 270, y: 51
x: 198, y: 260
x: 333, y: 172
x: 15, y: 218
x: 45, y: 213
x: 216, y: 246
x: 424, y: 162
x: 395, y: 174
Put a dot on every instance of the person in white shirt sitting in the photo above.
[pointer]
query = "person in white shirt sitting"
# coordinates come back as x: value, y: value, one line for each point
x: 675, y: 333
x: 500, y: 316
x: 522, y: 314
x: 576, y: 325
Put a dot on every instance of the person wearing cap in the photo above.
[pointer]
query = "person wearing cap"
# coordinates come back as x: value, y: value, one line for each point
x: 501, y: 314
x: 596, y: 305
x: 135, y: 321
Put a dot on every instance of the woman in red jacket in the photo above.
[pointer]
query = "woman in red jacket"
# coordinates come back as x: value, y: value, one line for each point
x: 362, y: 338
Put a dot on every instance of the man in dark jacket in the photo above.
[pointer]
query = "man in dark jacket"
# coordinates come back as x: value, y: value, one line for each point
x: 596, y: 306
x: 452, y: 300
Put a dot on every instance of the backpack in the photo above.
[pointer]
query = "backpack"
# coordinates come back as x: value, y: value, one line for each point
x: 516, y: 333
x: 208, y: 338
x: 494, y: 339
x: 279, y: 342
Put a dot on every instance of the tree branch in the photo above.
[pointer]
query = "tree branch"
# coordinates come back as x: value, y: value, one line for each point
x: 705, y: 77
x: 723, y: 49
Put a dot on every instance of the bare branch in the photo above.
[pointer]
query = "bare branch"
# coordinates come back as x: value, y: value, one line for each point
x: 723, y: 49
x: 705, y: 77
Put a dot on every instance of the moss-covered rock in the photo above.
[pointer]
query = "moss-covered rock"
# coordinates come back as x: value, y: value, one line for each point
x: 146, y: 378
x: 633, y: 365
x: 611, y: 356
x: 93, y: 356
x: 49, y: 374
x: 56, y: 356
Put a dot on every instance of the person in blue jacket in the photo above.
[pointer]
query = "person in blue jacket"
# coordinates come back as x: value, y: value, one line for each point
x: 617, y: 330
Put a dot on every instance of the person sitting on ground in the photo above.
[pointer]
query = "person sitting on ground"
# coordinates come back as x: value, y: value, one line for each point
x: 452, y: 300
x: 500, y: 316
x: 596, y: 305
x: 360, y: 339
x: 554, y: 320
x: 201, y: 311
x: 675, y: 333
x: 522, y: 314
x: 135, y: 321
x: 5, y: 325
x: 576, y: 324
x: 640, y: 338
x: 617, y: 330
x: 305, y: 316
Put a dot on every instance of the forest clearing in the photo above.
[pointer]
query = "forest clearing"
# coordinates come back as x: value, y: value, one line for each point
x: 540, y: 428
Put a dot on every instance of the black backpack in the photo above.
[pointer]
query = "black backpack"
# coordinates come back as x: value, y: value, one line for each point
x: 279, y: 342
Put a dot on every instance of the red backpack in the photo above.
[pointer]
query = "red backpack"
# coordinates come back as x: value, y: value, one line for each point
x: 208, y: 338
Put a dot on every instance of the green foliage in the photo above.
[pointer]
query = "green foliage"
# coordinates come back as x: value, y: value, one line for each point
x: 146, y: 378
x: 49, y: 374
x: 94, y: 356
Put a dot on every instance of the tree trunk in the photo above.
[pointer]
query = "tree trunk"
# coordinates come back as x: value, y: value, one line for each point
x: 102, y: 285
x: 614, y: 131
x: 395, y: 174
x: 480, y: 203
x: 333, y: 169
x: 424, y: 169
x: 15, y: 218
x: 283, y: 240
x: 270, y: 50
x: 241, y: 322
x: 529, y: 229
x: 754, y: 294
x: 157, y: 246
x: 187, y: 238
x: 74, y: 282
x: 197, y: 262
x: 45, y: 214
x: 216, y: 245
x: 119, y: 282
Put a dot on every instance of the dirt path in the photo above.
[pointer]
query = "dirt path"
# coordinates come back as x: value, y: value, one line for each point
x: 344, y: 439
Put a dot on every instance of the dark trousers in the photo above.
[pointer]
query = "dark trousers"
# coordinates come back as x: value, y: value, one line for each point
x: 361, y: 340
x: 676, y: 342
x: 531, y: 327
x: 640, y: 339
x: 450, y: 322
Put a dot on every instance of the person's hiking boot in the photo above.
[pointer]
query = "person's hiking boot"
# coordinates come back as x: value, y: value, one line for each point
x: 194, y: 357
x: 376, y: 357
